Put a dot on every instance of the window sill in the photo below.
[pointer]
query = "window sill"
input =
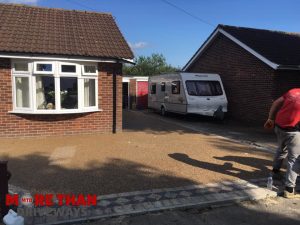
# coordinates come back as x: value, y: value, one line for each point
x: 54, y: 112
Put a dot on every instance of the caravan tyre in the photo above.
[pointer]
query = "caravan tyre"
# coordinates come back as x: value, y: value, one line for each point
x: 163, y: 111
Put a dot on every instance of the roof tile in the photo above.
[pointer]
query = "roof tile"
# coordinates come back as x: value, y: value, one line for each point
x: 27, y: 29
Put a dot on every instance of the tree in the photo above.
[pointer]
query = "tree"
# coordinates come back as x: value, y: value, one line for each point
x: 148, y: 66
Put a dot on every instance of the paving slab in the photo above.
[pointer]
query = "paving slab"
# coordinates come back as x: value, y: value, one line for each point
x: 160, y: 199
x: 275, y: 211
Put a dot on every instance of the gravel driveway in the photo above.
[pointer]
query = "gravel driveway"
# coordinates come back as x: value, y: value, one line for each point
x: 155, y: 154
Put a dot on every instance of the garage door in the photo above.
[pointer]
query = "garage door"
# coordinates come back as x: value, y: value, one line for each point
x: 142, y: 94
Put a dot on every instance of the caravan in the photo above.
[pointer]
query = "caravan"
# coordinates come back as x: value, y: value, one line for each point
x: 188, y: 93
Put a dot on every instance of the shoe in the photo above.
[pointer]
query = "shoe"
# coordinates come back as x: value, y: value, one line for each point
x: 290, y: 195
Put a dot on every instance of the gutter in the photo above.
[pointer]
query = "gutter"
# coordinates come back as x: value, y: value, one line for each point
x: 31, y: 56
x: 114, y: 125
x: 288, y: 67
x: 130, y: 61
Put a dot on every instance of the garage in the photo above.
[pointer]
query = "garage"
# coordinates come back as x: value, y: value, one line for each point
x: 135, y: 92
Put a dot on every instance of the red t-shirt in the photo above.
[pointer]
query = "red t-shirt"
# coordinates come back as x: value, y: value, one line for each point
x: 289, y: 114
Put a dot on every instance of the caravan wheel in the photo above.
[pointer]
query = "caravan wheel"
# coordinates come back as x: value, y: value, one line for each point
x: 163, y: 111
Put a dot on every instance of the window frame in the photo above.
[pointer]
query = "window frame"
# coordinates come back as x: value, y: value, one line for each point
x: 21, y: 72
x: 179, y: 89
x: 151, y: 90
x: 76, y: 73
x: 35, y: 71
x: 14, y: 95
x: 34, y: 94
x: 78, y: 95
x: 32, y: 75
x: 96, y: 91
x: 209, y: 83
x: 163, y: 86
x: 89, y: 74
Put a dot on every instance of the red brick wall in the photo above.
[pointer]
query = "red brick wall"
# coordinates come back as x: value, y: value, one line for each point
x: 249, y: 83
x: 22, y: 125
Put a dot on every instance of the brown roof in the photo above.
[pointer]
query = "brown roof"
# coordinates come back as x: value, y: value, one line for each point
x: 282, y: 48
x: 27, y: 29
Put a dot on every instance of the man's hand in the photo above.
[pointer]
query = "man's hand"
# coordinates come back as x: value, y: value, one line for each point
x: 269, y: 124
x: 276, y: 105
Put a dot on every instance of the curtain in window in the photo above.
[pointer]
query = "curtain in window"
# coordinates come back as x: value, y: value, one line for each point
x: 22, y: 92
x: 89, y: 92
x: 40, y: 93
x: 203, y: 88
x: 191, y: 88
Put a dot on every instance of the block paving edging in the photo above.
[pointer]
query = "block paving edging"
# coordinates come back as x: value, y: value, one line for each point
x: 162, y: 199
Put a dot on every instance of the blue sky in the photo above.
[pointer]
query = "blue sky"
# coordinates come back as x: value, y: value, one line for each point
x: 152, y: 26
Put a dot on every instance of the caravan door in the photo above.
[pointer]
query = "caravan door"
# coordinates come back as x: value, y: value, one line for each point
x: 176, y: 98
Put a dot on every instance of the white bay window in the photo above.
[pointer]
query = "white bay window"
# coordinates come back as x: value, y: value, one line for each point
x: 54, y: 87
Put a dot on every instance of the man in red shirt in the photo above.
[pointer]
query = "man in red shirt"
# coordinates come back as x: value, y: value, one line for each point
x: 286, y: 113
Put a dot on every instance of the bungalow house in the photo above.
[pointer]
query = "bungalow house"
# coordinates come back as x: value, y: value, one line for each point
x: 59, y: 71
x: 256, y: 67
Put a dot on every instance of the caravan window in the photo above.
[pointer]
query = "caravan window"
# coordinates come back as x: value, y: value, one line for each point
x: 163, y: 87
x: 153, y: 88
x: 176, y: 87
x: 204, y: 88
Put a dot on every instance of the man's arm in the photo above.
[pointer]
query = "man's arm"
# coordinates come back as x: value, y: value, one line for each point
x: 277, y: 104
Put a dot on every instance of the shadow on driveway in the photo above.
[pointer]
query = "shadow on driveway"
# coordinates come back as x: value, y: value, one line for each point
x: 151, y: 122
x: 260, y: 165
x: 35, y: 173
x: 141, y: 121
